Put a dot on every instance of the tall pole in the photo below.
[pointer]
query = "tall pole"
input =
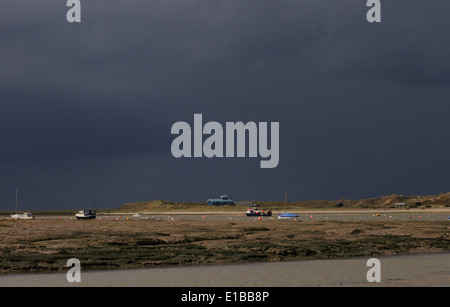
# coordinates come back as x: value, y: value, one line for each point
x: 16, y: 200
x: 285, y: 201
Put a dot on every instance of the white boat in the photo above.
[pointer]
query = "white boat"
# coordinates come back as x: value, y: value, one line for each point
x: 86, y: 215
x: 22, y: 216
x: 138, y: 214
x: 26, y: 216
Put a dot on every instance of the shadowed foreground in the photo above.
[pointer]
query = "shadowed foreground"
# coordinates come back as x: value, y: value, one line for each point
x: 46, y: 245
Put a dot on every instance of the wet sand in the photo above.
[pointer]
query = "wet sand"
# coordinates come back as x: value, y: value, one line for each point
x: 421, y: 270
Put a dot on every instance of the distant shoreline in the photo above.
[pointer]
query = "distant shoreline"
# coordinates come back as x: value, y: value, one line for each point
x: 107, y: 212
x: 305, y: 211
x: 160, y: 206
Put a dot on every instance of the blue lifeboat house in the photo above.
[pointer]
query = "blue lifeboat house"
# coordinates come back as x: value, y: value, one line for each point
x: 223, y: 200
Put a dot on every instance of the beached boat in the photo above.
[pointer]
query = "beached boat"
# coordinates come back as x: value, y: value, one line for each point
x: 256, y: 211
x: 287, y: 215
x: 22, y: 216
x: 26, y: 216
x: 86, y: 215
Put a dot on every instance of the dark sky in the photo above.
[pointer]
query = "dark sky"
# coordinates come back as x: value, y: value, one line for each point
x: 86, y: 109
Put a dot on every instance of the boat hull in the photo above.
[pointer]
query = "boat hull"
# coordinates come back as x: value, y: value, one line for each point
x: 26, y: 217
x: 258, y: 214
x: 287, y: 216
x: 85, y: 217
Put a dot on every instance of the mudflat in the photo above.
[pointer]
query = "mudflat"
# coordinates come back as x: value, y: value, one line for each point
x: 45, y: 245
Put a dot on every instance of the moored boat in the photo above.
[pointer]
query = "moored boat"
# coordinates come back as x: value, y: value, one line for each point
x: 287, y: 215
x: 256, y: 211
x: 26, y: 216
x: 86, y: 215
x: 22, y: 216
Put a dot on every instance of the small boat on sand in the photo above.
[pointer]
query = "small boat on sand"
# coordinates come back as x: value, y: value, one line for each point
x: 256, y: 211
x: 287, y: 215
x: 86, y: 215
x: 21, y: 216
x: 26, y: 216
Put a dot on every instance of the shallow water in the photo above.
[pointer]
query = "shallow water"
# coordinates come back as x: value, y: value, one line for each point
x: 405, y: 270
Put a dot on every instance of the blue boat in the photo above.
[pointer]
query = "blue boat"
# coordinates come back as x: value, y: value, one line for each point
x: 286, y: 215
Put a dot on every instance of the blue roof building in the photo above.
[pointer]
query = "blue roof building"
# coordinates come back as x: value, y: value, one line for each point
x: 223, y: 200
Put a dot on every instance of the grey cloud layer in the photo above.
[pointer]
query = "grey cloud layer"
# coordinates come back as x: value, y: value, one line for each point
x: 113, y: 85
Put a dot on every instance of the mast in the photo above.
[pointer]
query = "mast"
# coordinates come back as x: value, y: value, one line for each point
x: 16, y: 201
x: 284, y: 201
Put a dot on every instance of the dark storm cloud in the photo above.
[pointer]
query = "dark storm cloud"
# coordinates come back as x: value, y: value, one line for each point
x: 354, y: 100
